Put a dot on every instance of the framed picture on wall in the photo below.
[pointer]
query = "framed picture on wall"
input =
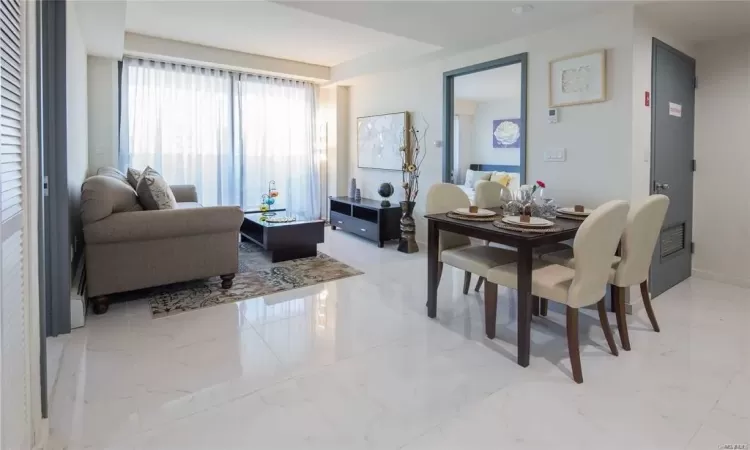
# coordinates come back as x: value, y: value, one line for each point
x: 379, y: 140
x: 578, y: 79
x: 506, y: 133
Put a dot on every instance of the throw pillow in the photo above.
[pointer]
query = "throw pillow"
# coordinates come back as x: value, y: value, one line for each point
x: 133, y: 177
x: 154, y: 191
x: 472, y: 176
x: 113, y: 173
x: 502, y: 178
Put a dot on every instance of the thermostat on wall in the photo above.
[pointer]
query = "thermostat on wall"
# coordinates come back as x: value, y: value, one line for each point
x: 552, y: 116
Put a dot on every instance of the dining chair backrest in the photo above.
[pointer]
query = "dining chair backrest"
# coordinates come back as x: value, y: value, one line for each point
x: 642, y: 230
x: 593, y: 248
x: 443, y: 198
x: 491, y: 194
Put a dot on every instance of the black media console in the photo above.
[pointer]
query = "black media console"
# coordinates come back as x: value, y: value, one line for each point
x: 366, y: 218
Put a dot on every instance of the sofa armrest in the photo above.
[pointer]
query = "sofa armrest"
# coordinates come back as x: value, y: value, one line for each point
x: 163, y: 224
x: 184, y: 193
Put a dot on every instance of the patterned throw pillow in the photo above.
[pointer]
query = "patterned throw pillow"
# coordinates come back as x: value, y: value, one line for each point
x: 154, y: 191
x: 133, y: 177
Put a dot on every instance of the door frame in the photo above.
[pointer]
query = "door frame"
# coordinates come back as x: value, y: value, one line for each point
x: 448, y: 107
x: 657, y: 44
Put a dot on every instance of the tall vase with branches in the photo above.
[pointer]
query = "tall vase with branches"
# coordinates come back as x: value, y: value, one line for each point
x: 413, y: 153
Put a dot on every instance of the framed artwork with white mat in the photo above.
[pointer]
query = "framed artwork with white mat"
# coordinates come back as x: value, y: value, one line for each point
x: 578, y: 79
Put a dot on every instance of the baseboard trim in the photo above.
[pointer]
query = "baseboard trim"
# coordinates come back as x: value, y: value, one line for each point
x: 721, y: 278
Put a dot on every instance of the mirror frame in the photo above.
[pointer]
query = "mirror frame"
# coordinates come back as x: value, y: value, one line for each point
x: 448, y: 107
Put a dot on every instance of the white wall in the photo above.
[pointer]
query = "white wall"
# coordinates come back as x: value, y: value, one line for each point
x: 722, y: 118
x: 597, y: 136
x: 483, y: 152
x: 77, y: 122
x: 103, y: 113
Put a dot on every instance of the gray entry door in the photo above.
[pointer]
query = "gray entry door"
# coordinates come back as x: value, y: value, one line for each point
x: 672, y: 125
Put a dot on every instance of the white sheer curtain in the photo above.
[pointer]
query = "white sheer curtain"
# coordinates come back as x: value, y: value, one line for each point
x: 276, y: 121
x: 178, y: 120
x: 229, y: 134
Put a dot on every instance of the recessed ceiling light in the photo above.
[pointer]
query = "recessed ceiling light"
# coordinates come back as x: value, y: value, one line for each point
x: 522, y: 9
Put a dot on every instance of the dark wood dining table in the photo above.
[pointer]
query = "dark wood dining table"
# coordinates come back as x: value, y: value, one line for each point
x: 524, y: 242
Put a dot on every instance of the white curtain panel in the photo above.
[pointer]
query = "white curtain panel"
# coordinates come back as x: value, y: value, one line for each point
x: 229, y: 134
x: 276, y: 120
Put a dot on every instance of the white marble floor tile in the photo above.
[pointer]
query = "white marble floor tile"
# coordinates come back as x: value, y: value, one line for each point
x: 356, y: 364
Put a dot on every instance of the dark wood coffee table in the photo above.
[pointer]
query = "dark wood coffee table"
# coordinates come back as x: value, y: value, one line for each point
x: 285, y: 241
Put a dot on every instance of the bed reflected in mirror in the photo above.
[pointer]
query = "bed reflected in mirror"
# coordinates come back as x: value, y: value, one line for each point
x: 487, y: 125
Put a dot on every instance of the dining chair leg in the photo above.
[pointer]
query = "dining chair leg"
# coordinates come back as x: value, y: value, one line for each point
x: 543, y: 306
x: 647, y: 303
x: 613, y: 298
x: 490, y: 309
x: 535, y: 305
x: 571, y: 319
x: 622, y: 324
x: 479, y: 284
x: 467, y: 282
x: 605, y: 326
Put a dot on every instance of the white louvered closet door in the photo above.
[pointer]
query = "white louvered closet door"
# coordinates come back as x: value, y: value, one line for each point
x: 14, y: 367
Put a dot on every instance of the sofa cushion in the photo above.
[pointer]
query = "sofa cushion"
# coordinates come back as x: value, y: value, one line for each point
x: 188, y: 205
x: 154, y: 191
x: 134, y: 175
x: 104, y: 195
x: 113, y: 173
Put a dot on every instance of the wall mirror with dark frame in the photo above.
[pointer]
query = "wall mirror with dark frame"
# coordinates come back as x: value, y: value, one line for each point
x: 484, y: 114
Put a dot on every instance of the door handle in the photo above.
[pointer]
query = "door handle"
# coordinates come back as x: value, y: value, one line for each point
x: 363, y: 229
x: 660, y: 187
x: 341, y: 221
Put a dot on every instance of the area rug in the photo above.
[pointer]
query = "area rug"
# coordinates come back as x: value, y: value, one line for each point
x: 257, y: 276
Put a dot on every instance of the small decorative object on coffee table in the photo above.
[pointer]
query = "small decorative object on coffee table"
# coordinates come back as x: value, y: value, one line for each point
x: 412, y: 156
x: 385, y: 190
x: 268, y: 199
x: 285, y: 240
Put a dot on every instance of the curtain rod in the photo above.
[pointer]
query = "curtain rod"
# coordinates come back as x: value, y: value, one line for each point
x: 211, y: 69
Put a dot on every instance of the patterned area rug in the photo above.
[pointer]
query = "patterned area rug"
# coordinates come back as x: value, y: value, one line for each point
x: 257, y: 276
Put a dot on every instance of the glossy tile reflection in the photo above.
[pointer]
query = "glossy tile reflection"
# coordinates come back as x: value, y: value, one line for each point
x: 356, y: 363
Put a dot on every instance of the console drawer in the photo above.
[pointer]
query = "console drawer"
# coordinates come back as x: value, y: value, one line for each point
x: 363, y: 228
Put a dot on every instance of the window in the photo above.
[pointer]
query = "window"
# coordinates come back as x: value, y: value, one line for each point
x: 227, y: 133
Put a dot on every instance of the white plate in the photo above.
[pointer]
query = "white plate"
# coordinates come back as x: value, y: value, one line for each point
x: 535, y: 222
x: 479, y: 213
x: 572, y: 211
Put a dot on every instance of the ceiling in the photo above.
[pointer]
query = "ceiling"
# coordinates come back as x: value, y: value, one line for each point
x: 262, y: 28
x: 489, y: 85
x: 453, y: 24
x: 699, y: 20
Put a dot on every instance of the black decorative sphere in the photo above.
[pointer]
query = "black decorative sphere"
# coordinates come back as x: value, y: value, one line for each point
x: 385, y: 190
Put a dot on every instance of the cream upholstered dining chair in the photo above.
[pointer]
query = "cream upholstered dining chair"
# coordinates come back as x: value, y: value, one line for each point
x: 642, y: 230
x: 582, y: 285
x: 490, y: 194
x: 455, y: 249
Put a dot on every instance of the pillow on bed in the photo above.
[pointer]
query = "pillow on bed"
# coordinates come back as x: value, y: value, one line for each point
x: 502, y: 178
x: 472, y: 176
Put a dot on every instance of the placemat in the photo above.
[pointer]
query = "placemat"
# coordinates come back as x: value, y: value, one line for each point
x: 552, y: 229
x: 453, y: 215
x: 569, y: 217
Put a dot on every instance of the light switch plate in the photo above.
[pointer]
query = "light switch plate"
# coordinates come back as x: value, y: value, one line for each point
x: 555, y: 155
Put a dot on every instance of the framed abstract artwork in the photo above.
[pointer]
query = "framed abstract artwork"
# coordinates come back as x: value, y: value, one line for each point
x: 379, y: 140
x: 506, y: 133
x: 578, y: 79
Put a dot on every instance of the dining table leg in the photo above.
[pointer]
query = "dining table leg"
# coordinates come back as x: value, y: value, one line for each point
x: 432, y: 267
x: 524, y: 305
